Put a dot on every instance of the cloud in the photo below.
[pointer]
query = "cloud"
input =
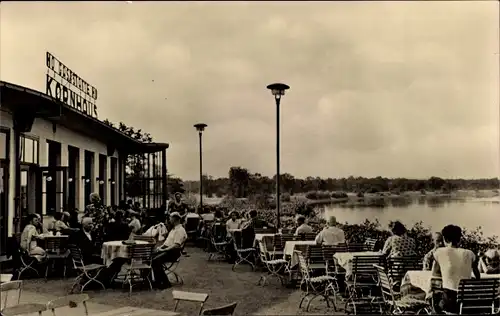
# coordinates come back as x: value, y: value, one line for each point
x: 395, y: 89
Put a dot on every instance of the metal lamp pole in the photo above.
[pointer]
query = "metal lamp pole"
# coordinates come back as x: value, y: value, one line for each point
x: 200, y: 127
x: 278, y: 90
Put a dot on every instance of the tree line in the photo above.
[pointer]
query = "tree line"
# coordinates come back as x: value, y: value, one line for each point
x: 242, y: 183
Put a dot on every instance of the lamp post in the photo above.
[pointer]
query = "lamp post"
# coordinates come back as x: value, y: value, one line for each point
x: 200, y: 127
x: 278, y: 90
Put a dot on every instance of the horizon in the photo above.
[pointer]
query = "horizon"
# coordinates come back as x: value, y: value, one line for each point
x: 404, y: 89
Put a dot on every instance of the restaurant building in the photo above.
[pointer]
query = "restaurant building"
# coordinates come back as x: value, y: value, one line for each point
x: 54, y: 153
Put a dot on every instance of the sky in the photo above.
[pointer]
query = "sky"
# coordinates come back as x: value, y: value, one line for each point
x: 396, y: 89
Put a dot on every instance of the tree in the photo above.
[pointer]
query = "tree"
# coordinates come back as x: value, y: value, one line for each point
x: 239, y: 181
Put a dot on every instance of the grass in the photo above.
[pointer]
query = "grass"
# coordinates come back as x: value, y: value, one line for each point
x: 215, y: 278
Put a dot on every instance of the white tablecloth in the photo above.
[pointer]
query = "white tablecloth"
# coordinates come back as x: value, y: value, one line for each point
x: 344, y: 259
x: 422, y: 279
x: 290, y: 248
x: 192, y: 215
x: 116, y: 249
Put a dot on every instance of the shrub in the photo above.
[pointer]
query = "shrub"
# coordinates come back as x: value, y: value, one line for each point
x: 285, y: 197
x: 339, y: 195
x: 318, y: 195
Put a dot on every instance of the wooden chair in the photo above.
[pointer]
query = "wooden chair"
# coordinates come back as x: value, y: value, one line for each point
x: 313, y: 287
x: 71, y: 301
x: 356, y: 247
x: 307, y: 236
x: 140, y: 260
x: 221, y: 311
x: 24, y: 309
x: 394, y: 302
x: 189, y: 297
x: 364, y: 281
x: 56, y: 249
x: 277, y: 247
x: 218, y: 242
x: 398, y: 266
x: 148, y: 239
x: 314, y: 257
x: 7, y: 287
x: 478, y: 296
x: 285, y: 238
x: 89, y: 272
x: 370, y: 244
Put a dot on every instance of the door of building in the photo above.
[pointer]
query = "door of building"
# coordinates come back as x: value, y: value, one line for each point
x: 4, y: 205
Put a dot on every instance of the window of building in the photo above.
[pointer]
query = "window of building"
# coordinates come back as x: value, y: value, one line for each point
x: 29, y: 149
x: 102, y: 183
x: 4, y: 143
x: 114, y: 180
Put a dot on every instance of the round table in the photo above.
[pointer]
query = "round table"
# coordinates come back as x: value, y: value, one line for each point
x: 116, y: 249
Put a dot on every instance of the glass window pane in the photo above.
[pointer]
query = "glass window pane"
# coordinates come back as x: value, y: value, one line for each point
x: 35, y: 151
x: 3, y: 146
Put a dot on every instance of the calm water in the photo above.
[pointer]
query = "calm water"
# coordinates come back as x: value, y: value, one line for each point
x: 435, y: 214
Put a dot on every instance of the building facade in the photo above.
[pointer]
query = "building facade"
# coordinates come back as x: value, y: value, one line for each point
x: 52, y: 157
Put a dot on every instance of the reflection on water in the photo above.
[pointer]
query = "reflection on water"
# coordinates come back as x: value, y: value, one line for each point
x: 435, y: 212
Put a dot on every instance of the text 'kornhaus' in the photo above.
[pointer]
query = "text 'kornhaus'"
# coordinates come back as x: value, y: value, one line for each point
x: 62, y: 83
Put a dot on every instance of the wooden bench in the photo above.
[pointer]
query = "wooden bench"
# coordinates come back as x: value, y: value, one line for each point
x: 190, y: 297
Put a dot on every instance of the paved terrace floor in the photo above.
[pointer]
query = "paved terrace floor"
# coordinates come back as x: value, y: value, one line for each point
x: 215, y: 278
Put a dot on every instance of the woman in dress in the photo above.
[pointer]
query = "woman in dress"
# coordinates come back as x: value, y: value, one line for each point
x: 399, y: 244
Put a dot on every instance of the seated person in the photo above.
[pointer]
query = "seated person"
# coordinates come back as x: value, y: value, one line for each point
x: 234, y: 221
x: 490, y: 262
x: 255, y: 222
x: 302, y: 227
x: 29, y: 237
x: 399, y: 244
x: 59, y: 225
x: 39, y: 225
x: 118, y: 229
x: 453, y: 264
x: 169, y: 251
x: 135, y: 224
x: 331, y: 235
x: 83, y: 239
x: 429, y: 257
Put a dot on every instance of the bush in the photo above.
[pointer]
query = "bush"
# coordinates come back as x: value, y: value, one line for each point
x: 360, y: 194
x: 285, y: 197
x: 318, y: 195
x: 339, y: 195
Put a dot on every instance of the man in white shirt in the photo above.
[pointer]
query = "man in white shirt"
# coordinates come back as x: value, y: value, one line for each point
x: 169, y: 251
x: 330, y: 235
x: 302, y: 227
x: 453, y: 264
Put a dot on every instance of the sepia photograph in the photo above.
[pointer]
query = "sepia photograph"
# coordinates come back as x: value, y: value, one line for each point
x: 164, y: 158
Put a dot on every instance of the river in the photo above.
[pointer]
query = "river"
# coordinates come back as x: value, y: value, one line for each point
x: 468, y: 214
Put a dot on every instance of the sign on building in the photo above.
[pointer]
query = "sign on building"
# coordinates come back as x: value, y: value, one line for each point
x: 66, y: 86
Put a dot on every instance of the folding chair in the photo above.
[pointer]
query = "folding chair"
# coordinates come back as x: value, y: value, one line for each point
x: 89, y: 271
x: 307, y: 236
x: 364, y: 279
x: 370, y: 244
x: 140, y: 259
x: 170, y: 267
x: 478, y: 296
x: 71, y: 301
x: 7, y: 287
x: 314, y: 257
x: 313, y: 287
x: 398, y: 266
x: 191, y: 226
x: 218, y: 241
x: 356, y: 247
x: 273, y: 266
x: 244, y: 252
x: 394, y: 302
x: 277, y: 248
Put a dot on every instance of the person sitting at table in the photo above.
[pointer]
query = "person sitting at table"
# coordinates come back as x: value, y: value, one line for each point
x: 255, y: 222
x: 59, y: 225
x: 118, y: 229
x: 169, y: 251
x: 453, y: 264
x: 331, y: 235
x: 39, y: 225
x: 234, y: 221
x: 429, y: 257
x: 29, y: 238
x: 399, y: 244
x: 302, y: 227
x: 178, y: 205
x: 135, y: 224
x: 84, y: 240
x: 489, y: 263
